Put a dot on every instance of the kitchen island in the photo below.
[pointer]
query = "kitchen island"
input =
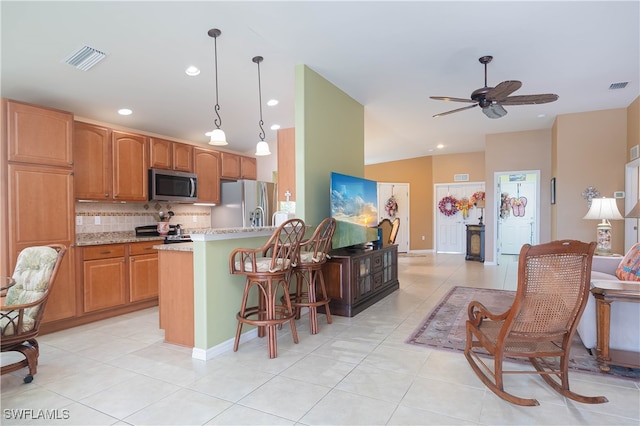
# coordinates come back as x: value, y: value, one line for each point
x: 196, y: 275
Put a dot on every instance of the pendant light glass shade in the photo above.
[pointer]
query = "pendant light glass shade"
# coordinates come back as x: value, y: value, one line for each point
x: 217, y: 135
x: 262, y: 148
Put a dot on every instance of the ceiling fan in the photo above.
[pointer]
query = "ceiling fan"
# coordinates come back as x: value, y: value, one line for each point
x: 492, y: 99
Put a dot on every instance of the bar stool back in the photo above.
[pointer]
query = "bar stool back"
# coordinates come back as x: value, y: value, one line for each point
x: 268, y: 269
x: 313, y: 254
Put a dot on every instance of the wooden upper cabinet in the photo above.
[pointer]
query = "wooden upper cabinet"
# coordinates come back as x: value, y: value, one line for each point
x: 160, y: 154
x: 207, y: 168
x: 168, y: 155
x: 130, y: 164
x: 93, y: 163
x: 182, y: 157
x: 248, y: 168
x: 39, y: 135
x: 286, y: 164
x: 230, y: 165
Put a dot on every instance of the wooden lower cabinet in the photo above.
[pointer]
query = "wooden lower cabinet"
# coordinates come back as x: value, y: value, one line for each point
x: 143, y: 271
x: 356, y: 279
x: 104, y: 273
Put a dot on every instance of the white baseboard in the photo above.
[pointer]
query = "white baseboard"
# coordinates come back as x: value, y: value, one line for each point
x: 227, y: 345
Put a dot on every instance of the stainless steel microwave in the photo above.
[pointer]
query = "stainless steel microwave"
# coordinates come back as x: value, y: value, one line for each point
x: 170, y: 185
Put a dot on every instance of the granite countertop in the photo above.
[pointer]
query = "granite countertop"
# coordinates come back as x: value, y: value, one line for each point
x: 91, y: 239
x: 96, y: 238
x: 175, y: 247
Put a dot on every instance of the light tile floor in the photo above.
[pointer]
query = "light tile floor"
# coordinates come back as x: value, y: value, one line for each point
x: 355, y: 371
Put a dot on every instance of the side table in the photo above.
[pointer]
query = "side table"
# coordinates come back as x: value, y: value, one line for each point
x: 606, y: 292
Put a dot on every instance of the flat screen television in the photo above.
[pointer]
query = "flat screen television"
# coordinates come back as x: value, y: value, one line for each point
x: 354, y: 205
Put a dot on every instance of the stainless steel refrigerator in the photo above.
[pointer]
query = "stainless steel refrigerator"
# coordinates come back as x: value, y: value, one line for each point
x: 244, y: 203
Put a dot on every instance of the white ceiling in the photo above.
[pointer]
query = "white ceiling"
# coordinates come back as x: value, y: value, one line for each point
x: 390, y: 56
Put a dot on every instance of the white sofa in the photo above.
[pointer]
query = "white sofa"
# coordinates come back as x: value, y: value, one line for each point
x: 625, y: 316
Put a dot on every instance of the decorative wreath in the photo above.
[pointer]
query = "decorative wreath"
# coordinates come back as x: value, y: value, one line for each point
x: 448, y: 206
x: 391, y: 206
x: 477, y: 196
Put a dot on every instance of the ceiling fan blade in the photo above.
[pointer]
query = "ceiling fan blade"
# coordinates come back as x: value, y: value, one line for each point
x: 446, y: 98
x: 529, y: 99
x: 456, y: 110
x: 494, y: 111
x: 502, y: 90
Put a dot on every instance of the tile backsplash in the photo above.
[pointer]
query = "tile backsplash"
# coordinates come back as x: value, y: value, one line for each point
x: 120, y: 217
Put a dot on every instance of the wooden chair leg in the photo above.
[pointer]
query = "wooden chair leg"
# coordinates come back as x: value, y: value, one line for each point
x: 323, y: 290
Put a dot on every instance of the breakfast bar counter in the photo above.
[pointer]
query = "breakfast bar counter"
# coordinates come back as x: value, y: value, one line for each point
x: 198, y: 297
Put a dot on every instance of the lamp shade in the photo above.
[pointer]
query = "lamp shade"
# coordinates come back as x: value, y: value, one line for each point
x: 603, y: 208
x: 218, y: 138
x: 262, y: 148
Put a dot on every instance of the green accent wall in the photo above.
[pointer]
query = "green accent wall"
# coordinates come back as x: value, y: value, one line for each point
x: 329, y: 138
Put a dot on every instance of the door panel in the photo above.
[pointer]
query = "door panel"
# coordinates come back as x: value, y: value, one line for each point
x: 401, y: 193
x: 451, y: 230
x: 518, y: 227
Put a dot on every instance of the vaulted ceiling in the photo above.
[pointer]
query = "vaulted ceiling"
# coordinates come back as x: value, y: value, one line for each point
x: 389, y: 56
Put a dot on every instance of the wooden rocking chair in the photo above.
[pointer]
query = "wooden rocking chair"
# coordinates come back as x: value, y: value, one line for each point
x: 553, y: 287
x: 23, y: 303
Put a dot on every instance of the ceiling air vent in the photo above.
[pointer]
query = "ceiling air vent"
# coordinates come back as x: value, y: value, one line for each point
x: 84, y: 58
x: 621, y: 85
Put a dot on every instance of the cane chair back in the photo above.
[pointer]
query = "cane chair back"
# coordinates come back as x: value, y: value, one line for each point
x: 553, y: 287
x: 24, y: 302
x: 395, y: 226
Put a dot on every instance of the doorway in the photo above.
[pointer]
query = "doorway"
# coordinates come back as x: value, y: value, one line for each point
x: 518, y: 211
x: 451, y: 229
x: 400, y: 193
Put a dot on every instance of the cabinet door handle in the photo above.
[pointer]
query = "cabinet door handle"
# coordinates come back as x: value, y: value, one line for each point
x: 106, y: 195
x: 132, y: 259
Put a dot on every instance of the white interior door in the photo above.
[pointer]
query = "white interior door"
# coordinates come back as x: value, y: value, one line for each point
x: 518, y: 227
x: 451, y: 231
x: 400, y: 191
x: 632, y: 196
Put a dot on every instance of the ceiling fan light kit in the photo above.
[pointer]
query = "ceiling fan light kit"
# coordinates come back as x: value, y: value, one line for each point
x: 492, y: 99
x: 217, y: 135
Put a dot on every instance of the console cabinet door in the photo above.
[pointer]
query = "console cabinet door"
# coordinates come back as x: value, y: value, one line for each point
x: 130, y: 166
x: 39, y: 135
x: 160, y: 154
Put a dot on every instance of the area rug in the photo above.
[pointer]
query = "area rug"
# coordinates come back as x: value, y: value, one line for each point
x: 444, y: 328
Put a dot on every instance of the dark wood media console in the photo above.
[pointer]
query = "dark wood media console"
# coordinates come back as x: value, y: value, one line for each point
x: 358, y: 278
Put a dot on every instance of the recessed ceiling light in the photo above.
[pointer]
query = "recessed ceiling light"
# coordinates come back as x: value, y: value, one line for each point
x: 542, y: 115
x: 275, y: 127
x: 440, y: 146
x: 192, y: 71
x: 272, y: 102
x: 125, y: 111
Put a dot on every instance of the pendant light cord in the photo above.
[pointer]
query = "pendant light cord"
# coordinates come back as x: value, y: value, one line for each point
x: 257, y: 60
x: 215, y: 33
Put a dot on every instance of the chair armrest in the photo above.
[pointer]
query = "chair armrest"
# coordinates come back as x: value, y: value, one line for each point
x: 477, y: 312
x: 606, y: 264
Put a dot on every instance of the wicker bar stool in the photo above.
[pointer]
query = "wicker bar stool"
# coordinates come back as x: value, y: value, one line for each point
x: 268, y: 268
x: 313, y: 255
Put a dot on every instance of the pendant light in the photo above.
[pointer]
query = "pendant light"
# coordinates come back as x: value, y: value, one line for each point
x: 262, y: 148
x: 217, y: 135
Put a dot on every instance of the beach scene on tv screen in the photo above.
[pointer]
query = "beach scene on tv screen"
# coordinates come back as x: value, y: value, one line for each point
x: 354, y: 199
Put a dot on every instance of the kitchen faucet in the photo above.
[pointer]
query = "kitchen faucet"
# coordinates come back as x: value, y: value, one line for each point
x: 258, y: 215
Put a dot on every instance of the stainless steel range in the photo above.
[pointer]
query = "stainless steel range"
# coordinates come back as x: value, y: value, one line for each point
x: 175, y: 234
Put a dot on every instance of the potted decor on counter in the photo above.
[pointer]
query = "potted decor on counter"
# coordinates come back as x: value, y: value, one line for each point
x: 163, y: 222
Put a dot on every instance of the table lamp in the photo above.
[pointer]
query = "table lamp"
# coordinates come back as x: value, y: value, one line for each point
x: 604, y: 209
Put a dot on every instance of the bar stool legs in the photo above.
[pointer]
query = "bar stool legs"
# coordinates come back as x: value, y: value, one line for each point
x: 267, y: 315
x: 312, y: 276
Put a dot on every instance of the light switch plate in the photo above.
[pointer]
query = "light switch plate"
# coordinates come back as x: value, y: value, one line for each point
x: 78, y: 220
x: 96, y: 220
